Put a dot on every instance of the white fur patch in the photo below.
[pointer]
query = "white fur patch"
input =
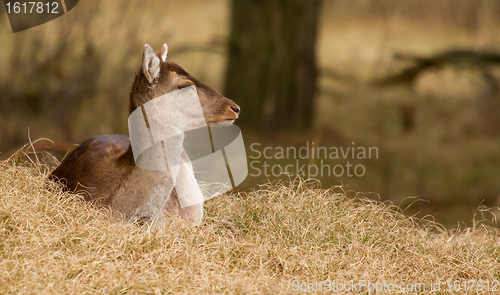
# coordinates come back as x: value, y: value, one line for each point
x: 223, y: 123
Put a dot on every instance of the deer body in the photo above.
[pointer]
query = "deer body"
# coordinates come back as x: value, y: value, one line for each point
x: 103, y: 167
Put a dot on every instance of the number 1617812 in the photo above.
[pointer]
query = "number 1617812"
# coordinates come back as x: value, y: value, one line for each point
x: 32, y: 7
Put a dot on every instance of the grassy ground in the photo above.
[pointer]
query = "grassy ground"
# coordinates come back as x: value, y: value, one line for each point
x: 254, y: 242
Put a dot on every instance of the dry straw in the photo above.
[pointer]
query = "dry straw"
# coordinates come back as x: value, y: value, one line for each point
x: 255, y: 242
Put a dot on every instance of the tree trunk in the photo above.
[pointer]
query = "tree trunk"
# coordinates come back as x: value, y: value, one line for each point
x: 272, y: 70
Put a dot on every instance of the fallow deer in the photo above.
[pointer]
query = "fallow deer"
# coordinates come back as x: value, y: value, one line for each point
x: 103, y: 167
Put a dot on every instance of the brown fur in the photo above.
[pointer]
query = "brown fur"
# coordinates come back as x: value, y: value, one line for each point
x: 103, y: 167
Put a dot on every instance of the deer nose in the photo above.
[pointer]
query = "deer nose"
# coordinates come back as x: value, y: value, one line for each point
x: 236, y: 109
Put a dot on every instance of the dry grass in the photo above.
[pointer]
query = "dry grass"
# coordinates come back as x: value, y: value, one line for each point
x: 52, y: 242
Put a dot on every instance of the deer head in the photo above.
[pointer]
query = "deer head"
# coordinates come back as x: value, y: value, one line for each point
x: 158, y: 76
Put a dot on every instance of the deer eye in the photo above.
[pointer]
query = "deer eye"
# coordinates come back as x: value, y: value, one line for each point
x: 183, y: 85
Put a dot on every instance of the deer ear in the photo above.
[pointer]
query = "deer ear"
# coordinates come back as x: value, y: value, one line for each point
x: 163, y: 52
x: 150, y: 63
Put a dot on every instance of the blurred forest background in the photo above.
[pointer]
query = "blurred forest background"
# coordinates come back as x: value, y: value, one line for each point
x: 419, y: 79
